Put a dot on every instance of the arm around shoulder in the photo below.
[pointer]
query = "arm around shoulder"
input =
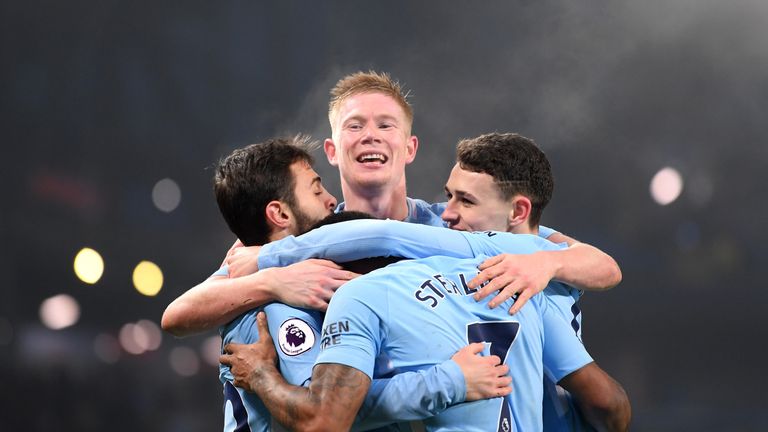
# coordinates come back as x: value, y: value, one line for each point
x: 584, y: 266
x: 600, y: 398
x: 214, y: 302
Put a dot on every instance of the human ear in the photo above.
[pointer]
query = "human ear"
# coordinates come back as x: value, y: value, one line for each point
x: 410, y: 148
x: 519, y: 213
x: 330, y: 151
x: 277, y: 214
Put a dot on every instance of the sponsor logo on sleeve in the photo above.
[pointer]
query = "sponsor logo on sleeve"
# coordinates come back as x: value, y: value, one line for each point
x: 295, y: 337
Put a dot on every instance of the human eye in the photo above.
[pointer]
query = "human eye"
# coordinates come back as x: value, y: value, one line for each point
x: 354, y: 126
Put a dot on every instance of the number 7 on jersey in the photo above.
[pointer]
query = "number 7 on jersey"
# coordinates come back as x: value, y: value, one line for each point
x: 500, y: 335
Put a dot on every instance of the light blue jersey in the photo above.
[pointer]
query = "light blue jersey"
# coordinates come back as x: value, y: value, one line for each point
x: 353, y: 240
x: 296, y: 334
x: 420, y: 312
x: 419, y: 212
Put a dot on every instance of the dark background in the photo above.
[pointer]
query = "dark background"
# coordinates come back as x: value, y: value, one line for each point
x: 100, y: 100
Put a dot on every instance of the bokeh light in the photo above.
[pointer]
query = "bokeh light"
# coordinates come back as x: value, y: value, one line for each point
x: 151, y: 335
x: 147, y: 278
x: 89, y: 266
x: 60, y: 311
x: 166, y: 195
x: 140, y: 337
x: 666, y: 186
x: 129, y: 341
x: 211, y: 349
x: 184, y: 361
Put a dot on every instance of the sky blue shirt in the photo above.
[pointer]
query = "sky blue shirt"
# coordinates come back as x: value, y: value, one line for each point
x: 352, y: 240
x: 420, y: 312
x: 348, y: 241
x: 296, y: 334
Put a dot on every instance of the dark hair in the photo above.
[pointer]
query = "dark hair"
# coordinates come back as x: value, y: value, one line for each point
x: 516, y: 164
x: 252, y: 176
x: 362, y: 265
x: 342, y: 217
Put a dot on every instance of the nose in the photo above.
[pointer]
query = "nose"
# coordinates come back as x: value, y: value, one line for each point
x: 449, y: 214
x: 331, y: 202
x: 371, y: 134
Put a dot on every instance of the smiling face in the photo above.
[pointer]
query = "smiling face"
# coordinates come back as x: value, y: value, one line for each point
x: 475, y: 202
x: 371, y: 143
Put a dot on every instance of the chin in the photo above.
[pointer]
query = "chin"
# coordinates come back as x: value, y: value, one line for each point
x: 371, y: 180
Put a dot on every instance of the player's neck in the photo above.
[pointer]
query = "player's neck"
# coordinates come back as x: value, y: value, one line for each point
x: 278, y: 234
x: 524, y: 228
x: 383, y: 203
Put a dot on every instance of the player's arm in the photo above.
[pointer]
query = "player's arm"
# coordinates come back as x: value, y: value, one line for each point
x: 584, y: 266
x: 212, y: 303
x: 580, y: 265
x: 408, y: 396
x: 601, y: 400
x: 329, y: 403
x: 417, y: 395
x: 357, y: 239
x: 219, y: 299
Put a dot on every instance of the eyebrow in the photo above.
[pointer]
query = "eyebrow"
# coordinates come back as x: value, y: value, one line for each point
x: 461, y: 192
x: 352, y: 118
x: 317, y: 179
x: 386, y: 117
x: 360, y: 117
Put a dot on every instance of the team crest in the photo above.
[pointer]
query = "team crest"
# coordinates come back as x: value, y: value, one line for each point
x: 295, y: 337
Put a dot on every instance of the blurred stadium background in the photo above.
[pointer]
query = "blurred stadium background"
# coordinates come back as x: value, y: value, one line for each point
x: 654, y: 115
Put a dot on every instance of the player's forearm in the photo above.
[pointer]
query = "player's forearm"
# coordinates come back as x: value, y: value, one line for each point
x: 585, y: 267
x: 601, y: 399
x: 343, y: 241
x: 411, y: 396
x: 613, y: 420
x: 612, y: 414
x: 214, y: 302
x: 330, y: 402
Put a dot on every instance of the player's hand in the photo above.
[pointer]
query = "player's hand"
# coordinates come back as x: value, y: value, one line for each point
x: 248, y: 362
x: 485, y: 376
x: 308, y: 284
x: 235, y: 245
x: 511, y: 274
x: 242, y: 260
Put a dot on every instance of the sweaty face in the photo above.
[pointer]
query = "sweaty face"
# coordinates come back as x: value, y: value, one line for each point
x: 474, y: 202
x: 371, y: 142
x: 312, y: 201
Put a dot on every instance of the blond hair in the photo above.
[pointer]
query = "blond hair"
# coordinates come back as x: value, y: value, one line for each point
x: 368, y: 82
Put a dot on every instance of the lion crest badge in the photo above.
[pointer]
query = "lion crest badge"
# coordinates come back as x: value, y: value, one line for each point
x: 295, y: 337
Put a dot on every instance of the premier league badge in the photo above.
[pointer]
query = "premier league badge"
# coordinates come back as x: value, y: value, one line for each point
x: 295, y: 337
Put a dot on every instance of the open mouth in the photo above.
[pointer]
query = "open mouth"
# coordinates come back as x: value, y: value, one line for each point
x: 372, y: 158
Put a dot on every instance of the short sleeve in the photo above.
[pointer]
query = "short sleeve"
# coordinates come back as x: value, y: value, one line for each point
x: 545, y: 232
x: 563, y: 350
x: 222, y: 271
x: 351, y: 331
x: 296, y: 335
